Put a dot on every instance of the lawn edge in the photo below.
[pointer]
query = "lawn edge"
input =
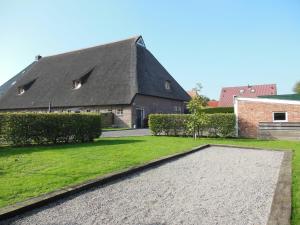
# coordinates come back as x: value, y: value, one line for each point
x: 281, y: 208
x: 42, y: 200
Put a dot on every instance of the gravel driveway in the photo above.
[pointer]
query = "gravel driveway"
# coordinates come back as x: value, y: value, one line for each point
x: 217, y: 185
x: 126, y: 133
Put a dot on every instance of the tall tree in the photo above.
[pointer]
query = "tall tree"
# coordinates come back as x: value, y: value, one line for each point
x: 297, y: 88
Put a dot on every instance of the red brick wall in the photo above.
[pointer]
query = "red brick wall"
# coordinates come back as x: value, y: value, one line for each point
x: 251, y: 113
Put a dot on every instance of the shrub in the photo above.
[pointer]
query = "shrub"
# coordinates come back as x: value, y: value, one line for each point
x: 49, y: 128
x: 218, y: 124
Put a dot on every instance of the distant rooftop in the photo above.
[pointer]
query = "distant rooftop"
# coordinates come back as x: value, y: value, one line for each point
x: 250, y: 91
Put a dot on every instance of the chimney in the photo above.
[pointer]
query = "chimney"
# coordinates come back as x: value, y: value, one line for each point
x: 38, y: 57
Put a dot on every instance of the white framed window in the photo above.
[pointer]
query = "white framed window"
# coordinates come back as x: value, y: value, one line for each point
x: 167, y: 85
x: 21, y: 91
x: 77, y: 84
x: 280, y: 116
x: 242, y: 91
x: 119, y: 111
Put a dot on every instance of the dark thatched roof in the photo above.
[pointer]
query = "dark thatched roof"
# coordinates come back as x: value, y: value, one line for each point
x: 111, y: 74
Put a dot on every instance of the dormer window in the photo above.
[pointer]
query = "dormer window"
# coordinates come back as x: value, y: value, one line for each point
x: 168, y: 85
x: 77, y: 84
x: 82, y: 79
x: 22, y: 89
x: 242, y: 91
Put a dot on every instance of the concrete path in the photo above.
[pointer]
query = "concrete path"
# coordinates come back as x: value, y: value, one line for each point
x: 217, y: 185
x: 126, y: 133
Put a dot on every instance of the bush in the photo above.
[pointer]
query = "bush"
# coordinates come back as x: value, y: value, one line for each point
x: 49, y: 128
x: 218, y: 110
x: 218, y: 124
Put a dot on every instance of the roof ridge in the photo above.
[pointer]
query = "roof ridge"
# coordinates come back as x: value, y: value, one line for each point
x: 250, y: 85
x: 133, y: 38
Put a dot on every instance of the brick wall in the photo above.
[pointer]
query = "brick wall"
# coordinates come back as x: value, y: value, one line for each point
x: 250, y: 114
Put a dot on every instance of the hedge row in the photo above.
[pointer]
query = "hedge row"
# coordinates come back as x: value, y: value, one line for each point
x: 218, y: 124
x: 48, y: 128
x: 218, y: 110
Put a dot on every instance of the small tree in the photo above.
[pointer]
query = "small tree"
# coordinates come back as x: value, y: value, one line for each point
x: 197, y: 120
x: 296, y: 88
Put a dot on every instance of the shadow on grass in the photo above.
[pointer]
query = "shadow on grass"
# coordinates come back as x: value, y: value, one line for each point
x: 10, y: 150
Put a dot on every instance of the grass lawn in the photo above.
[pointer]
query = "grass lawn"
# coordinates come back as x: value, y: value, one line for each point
x: 115, y: 128
x: 30, y: 171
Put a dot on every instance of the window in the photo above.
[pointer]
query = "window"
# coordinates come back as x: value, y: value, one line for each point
x: 177, y: 109
x: 109, y: 110
x: 167, y: 85
x: 252, y: 90
x: 280, y: 117
x: 21, y: 91
x: 141, y: 42
x: 242, y: 91
x: 76, y: 84
x: 88, y: 110
x: 120, y: 112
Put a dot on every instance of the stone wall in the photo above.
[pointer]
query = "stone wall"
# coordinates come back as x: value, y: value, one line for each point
x: 251, y: 113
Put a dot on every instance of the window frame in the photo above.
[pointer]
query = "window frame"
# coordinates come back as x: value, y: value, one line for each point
x: 118, y: 112
x: 286, y: 117
x: 168, y: 85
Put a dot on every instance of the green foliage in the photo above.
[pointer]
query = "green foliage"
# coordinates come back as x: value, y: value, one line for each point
x: 296, y: 88
x: 168, y: 124
x: 201, y: 124
x: 49, y: 128
x: 218, y: 110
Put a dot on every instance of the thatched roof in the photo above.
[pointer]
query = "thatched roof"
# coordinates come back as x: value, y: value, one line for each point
x: 110, y: 74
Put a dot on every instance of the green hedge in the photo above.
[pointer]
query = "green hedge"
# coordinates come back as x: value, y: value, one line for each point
x: 218, y: 110
x: 48, y: 128
x: 218, y: 124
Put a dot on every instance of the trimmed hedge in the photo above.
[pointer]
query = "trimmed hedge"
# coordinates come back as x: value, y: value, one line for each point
x: 218, y: 110
x: 48, y: 128
x: 218, y: 124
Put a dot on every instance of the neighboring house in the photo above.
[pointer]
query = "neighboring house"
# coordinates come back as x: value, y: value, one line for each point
x: 122, y: 77
x: 212, y: 104
x: 251, y: 91
x: 268, y: 117
x: 193, y: 93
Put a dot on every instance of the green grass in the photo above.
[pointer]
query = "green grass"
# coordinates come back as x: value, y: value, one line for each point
x: 115, y: 128
x: 31, y: 171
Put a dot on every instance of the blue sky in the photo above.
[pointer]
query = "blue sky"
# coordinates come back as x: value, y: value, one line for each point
x: 218, y: 43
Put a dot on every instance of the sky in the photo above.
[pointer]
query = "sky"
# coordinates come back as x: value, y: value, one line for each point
x: 217, y: 43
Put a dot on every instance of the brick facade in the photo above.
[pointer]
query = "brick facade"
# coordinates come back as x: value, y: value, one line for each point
x: 251, y: 112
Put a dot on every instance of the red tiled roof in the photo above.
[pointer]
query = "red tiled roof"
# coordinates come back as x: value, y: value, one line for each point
x: 192, y: 93
x: 250, y: 91
x: 212, y: 104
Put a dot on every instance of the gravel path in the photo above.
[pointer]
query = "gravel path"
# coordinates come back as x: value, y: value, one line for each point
x: 126, y: 133
x: 216, y: 185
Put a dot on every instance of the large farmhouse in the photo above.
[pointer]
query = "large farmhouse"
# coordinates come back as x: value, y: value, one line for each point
x: 121, y: 77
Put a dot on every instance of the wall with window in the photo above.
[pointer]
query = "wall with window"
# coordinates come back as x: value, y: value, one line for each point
x: 156, y: 105
x: 250, y: 113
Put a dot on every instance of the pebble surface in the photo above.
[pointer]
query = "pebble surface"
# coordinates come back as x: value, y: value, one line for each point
x: 217, y: 185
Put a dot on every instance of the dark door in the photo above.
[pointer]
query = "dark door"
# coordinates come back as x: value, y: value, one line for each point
x: 139, y: 118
